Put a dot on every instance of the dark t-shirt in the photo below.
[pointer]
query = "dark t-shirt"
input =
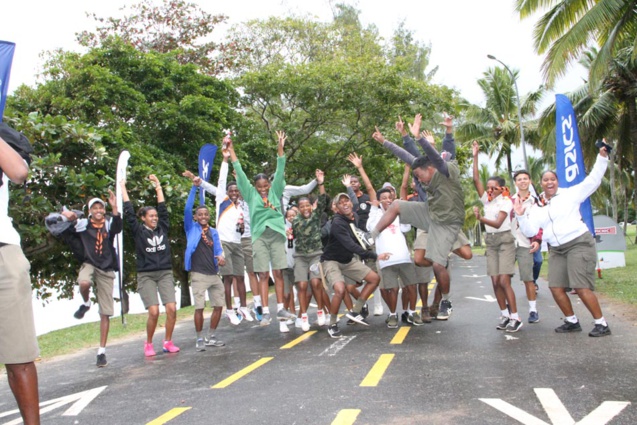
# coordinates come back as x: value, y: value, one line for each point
x: 203, y: 260
x: 363, y: 211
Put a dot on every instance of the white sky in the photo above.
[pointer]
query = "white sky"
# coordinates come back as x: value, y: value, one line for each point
x: 462, y: 33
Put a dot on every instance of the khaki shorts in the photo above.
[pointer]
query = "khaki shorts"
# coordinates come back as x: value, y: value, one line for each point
x: 500, y: 253
x: 336, y: 272
x: 149, y: 283
x: 235, y: 265
x: 18, y: 343
x: 424, y: 274
x: 441, y: 240
x: 572, y: 265
x: 202, y: 283
x: 268, y: 249
x: 525, y: 263
x: 414, y: 213
x: 288, y: 280
x: 390, y: 275
x: 302, y: 264
x: 103, y: 286
x: 421, y: 240
x: 246, y: 245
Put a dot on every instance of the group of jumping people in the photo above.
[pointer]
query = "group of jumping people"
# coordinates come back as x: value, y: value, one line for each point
x: 360, y: 253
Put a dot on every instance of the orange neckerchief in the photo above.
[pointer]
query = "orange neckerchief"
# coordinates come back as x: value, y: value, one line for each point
x: 204, y: 235
x: 101, y: 235
x: 505, y: 193
x: 267, y: 204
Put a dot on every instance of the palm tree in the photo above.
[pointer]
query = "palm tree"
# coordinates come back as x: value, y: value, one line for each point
x: 496, y: 124
x: 566, y: 31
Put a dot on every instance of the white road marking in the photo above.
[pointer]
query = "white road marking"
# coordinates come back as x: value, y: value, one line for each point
x: 81, y: 399
x: 487, y: 298
x: 510, y: 338
x: 556, y: 411
x: 337, y: 346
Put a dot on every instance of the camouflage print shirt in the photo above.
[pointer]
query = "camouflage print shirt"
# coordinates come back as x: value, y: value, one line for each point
x: 307, y: 232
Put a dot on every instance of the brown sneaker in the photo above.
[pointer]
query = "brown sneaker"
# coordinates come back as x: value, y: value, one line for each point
x: 424, y: 315
x: 433, y: 312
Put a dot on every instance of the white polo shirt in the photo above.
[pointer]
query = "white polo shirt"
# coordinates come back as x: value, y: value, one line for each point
x: 493, y: 208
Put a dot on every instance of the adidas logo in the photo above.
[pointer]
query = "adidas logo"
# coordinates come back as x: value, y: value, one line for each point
x: 155, y: 244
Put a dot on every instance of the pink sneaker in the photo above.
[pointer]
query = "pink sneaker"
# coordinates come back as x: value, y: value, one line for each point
x: 149, y: 351
x: 169, y: 347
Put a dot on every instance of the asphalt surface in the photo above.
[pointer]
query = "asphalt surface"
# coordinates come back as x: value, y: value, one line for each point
x: 460, y: 371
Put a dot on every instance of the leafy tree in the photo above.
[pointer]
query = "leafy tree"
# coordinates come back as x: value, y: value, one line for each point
x: 173, y: 26
x: 327, y: 85
x: 91, y: 107
x: 496, y: 124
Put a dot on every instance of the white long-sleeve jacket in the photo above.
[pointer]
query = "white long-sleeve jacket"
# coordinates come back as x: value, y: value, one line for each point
x: 560, y: 217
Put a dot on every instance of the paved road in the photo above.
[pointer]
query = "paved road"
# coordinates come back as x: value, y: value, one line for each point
x: 462, y: 371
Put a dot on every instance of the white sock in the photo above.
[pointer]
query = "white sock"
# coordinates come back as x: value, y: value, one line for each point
x: 410, y: 312
x: 515, y: 316
x: 237, y: 302
x: 571, y: 319
x: 279, y: 307
x: 446, y: 297
x: 505, y: 313
x: 87, y: 303
x: 533, y: 306
x: 266, y: 310
x: 601, y: 321
x: 257, y: 300
x: 304, y: 316
x: 101, y: 350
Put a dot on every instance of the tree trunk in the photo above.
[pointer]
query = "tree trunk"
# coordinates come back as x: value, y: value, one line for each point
x: 613, y: 194
x: 632, y: 116
x: 182, y: 278
x: 510, y: 168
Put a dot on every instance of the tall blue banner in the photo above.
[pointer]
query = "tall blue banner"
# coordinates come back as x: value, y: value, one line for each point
x: 569, y: 159
x: 6, y: 58
x: 206, y: 159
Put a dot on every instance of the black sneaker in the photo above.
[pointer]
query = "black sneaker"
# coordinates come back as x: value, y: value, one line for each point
x: 81, y: 311
x: 334, y: 331
x: 504, y: 321
x: 403, y: 318
x: 408, y: 318
x: 514, y: 325
x: 365, y: 311
x: 568, y: 327
x: 358, y: 318
x: 599, y: 330
x: 445, y: 310
x: 101, y: 360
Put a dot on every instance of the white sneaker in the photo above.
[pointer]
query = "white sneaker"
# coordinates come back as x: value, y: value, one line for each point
x: 305, y: 323
x: 378, y: 310
x: 298, y: 323
x: 232, y: 316
x: 246, y: 314
x: 283, y: 327
x: 320, y: 316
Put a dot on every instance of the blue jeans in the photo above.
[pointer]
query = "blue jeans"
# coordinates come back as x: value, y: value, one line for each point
x: 537, y: 264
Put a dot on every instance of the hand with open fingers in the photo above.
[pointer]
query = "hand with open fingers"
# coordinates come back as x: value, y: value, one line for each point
x: 347, y: 180
x: 378, y: 136
x: 112, y: 199
x: 428, y: 137
x: 415, y: 127
x: 355, y: 159
x: 320, y: 176
x: 518, y: 206
x: 280, y: 134
x: 475, y: 148
x: 188, y: 174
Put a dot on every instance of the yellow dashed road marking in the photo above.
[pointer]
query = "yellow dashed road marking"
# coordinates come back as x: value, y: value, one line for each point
x: 300, y: 339
x: 243, y: 372
x: 169, y: 416
x: 346, y: 417
x: 378, y: 370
